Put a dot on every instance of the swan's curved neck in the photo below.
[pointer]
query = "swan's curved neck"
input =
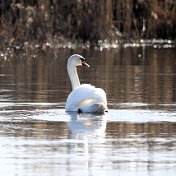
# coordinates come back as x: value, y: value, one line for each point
x: 72, y: 72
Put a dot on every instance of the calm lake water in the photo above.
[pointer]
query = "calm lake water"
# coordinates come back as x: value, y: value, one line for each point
x: 136, y: 137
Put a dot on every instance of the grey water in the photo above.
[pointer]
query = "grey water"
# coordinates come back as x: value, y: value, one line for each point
x: 136, y: 137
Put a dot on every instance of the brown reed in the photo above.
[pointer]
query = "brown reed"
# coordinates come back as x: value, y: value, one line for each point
x: 86, y: 20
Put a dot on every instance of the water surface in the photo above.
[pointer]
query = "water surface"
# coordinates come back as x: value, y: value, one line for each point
x: 136, y: 137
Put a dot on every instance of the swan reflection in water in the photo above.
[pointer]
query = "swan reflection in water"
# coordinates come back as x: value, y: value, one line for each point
x: 87, y: 133
x: 86, y: 124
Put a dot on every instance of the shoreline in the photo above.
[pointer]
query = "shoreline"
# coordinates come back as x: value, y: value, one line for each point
x: 33, y: 48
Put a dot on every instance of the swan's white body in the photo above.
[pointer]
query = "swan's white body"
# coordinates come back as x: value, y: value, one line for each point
x: 85, y: 97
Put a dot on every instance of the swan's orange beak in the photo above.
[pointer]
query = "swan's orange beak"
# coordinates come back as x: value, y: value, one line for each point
x: 85, y: 64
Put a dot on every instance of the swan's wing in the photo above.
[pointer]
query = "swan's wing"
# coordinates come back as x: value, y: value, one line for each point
x: 84, y: 96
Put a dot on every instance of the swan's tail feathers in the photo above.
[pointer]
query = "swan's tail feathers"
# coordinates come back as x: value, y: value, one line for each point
x: 99, y: 108
x: 89, y: 105
x: 94, y: 108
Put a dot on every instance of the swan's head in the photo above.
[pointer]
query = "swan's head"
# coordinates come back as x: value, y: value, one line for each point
x: 77, y: 60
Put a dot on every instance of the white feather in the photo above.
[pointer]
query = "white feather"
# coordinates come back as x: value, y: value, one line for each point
x: 87, y: 98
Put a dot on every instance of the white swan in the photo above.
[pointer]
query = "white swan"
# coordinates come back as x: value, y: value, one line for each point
x: 85, y: 97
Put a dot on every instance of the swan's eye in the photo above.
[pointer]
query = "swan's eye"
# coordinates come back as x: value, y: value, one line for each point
x: 82, y: 59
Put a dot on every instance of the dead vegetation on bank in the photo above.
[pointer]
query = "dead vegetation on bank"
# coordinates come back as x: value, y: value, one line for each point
x: 85, y: 20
